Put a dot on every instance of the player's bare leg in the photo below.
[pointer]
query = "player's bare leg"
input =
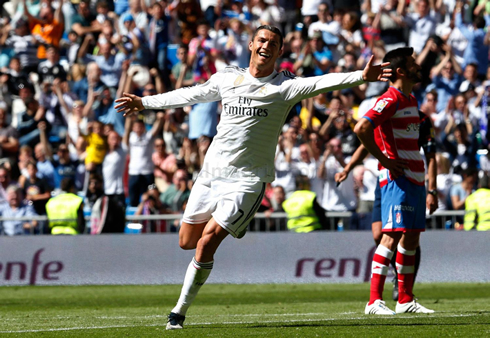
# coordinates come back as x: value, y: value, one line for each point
x: 206, y: 238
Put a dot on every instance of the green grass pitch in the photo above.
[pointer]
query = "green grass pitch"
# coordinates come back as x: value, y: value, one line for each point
x: 300, y: 310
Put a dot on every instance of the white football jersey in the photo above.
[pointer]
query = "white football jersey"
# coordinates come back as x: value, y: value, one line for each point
x: 254, y: 111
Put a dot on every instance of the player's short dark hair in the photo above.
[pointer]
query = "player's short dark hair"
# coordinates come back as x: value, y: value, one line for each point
x: 397, y: 59
x: 273, y: 29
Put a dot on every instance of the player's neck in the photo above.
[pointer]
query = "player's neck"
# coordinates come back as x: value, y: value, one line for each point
x: 404, y: 87
x: 258, y: 73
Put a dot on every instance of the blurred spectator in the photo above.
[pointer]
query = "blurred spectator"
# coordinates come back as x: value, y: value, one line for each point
x: 17, y: 208
x: 107, y: 214
x: 12, y: 80
x: 350, y: 33
x: 308, y: 167
x: 338, y: 125
x: 36, y: 190
x: 113, y: 168
x: 177, y: 193
x: 64, y: 166
x: 51, y: 69
x: 324, y: 23
x: 25, y: 156
x: 460, y: 191
x: 92, y: 79
x: 9, y: 139
x: 109, y: 64
x: 446, y: 78
x: 188, y: 13
x: 23, y: 44
x: 202, y: 54
x: 137, y: 14
x: 461, y: 143
x: 309, y: 11
x: 422, y: 22
x: 315, y: 58
x: 189, y: 154
x: 65, y: 211
x: 158, y: 36
x: 266, y: 12
x: 151, y: 205
x: 234, y: 45
x: 477, y: 50
x: 85, y: 22
x: 335, y: 198
x: 477, y: 209
x: 181, y: 75
x: 284, y: 164
x: 175, y: 130
x: 48, y: 29
x: 5, y: 182
x: 445, y: 180
x: 96, y: 146
x: 44, y: 167
x: 28, y: 124
x: 140, y: 145
x: 165, y: 165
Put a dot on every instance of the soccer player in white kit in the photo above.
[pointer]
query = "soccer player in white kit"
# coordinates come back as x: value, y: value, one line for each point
x: 240, y: 160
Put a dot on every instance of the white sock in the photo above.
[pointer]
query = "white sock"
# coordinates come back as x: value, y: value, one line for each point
x: 196, y: 275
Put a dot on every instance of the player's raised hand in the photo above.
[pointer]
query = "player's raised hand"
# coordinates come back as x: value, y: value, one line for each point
x: 129, y: 104
x: 373, y: 73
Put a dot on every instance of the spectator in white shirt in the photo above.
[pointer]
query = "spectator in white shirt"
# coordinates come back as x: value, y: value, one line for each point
x: 140, y: 145
x: 113, y: 168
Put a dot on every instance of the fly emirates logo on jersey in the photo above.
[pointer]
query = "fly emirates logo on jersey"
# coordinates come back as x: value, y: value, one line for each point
x: 244, y: 107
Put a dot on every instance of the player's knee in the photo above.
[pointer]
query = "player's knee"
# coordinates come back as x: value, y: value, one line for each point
x: 187, y: 244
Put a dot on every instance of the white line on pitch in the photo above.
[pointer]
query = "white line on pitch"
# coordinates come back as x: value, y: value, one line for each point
x: 219, y: 323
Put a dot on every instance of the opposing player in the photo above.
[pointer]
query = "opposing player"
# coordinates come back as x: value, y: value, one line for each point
x: 240, y: 160
x: 427, y: 143
x: 390, y: 131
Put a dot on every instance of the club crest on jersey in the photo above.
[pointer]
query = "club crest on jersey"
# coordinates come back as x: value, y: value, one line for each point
x: 380, y: 105
x: 398, y: 217
x: 263, y: 90
x: 238, y: 80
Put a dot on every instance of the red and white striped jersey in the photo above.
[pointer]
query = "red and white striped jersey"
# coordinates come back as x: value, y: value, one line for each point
x: 396, y: 120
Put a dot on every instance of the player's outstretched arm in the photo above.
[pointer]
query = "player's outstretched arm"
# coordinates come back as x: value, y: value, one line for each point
x: 373, y: 73
x: 128, y: 104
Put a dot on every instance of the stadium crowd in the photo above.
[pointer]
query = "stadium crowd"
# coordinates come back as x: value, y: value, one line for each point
x: 63, y: 63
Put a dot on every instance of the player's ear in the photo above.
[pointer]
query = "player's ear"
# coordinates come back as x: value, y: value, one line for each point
x: 400, y: 72
x: 281, y: 51
x: 250, y: 44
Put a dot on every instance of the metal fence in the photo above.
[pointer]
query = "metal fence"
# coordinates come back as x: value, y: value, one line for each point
x: 337, y: 221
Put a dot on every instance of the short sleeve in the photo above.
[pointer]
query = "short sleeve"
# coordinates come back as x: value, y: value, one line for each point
x: 383, y: 110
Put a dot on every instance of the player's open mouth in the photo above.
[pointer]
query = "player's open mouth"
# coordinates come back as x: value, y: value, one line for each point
x: 265, y: 55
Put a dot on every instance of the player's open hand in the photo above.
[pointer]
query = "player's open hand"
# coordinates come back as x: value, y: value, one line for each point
x: 129, y: 104
x: 395, y: 166
x: 373, y: 73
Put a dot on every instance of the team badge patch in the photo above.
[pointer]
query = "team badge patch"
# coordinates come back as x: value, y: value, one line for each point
x: 263, y: 90
x: 380, y: 105
x: 398, y: 217
x: 238, y: 80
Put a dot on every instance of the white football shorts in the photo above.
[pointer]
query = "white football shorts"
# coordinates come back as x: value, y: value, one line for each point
x: 231, y: 203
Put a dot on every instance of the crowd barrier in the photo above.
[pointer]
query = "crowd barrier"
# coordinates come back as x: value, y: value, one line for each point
x: 264, y: 223
x: 282, y: 257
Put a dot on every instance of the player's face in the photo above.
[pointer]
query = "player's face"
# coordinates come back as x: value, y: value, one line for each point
x: 414, y: 71
x: 265, y: 49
